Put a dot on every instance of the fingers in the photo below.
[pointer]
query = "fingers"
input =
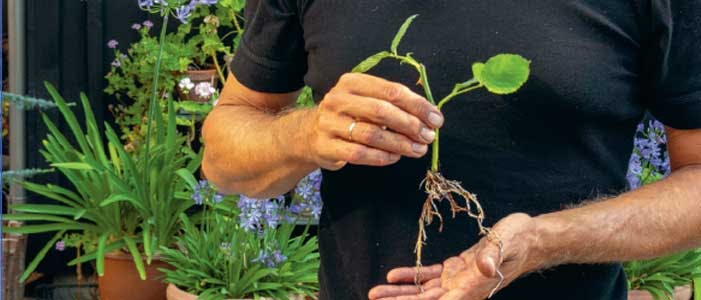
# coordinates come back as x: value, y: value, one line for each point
x: 457, y: 294
x: 381, y: 113
x: 489, y: 258
x: 408, y: 274
x: 404, y: 292
x: 362, y: 155
x: 375, y: 137
x: 392, y: 92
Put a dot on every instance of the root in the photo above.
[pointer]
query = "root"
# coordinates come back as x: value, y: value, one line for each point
x: 438, y: 188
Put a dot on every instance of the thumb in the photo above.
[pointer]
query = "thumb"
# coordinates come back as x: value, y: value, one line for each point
x: 489, y: 259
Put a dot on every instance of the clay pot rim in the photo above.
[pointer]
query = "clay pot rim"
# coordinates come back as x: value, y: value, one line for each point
x: 121, y: 255
x: 174, y: 289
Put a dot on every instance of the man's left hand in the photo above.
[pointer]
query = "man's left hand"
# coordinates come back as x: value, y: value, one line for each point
x: 474, y: 274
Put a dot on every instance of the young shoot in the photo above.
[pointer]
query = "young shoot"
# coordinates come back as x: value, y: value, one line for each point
x: 501, y: 74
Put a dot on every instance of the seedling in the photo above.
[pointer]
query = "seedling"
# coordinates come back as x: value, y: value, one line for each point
x: 501, y: 74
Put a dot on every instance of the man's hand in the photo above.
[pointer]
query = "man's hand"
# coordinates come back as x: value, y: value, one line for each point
x: 474, y: 274
x: 390, y: 121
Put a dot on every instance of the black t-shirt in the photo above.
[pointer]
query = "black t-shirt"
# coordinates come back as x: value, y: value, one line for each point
x: 565, y: 137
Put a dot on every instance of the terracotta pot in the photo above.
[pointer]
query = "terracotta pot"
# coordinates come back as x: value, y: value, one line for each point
x: 121, y: 280
x: 199, y: 76
x: 175, y: 293
x: 680, y: 293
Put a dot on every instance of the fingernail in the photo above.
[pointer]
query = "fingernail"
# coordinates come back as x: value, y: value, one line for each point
x: 435, y: 119
x: 394, y: 157
x: 418, y: 148
x: 428, y: 135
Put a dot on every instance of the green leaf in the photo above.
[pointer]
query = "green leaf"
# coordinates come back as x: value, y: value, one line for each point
x: 138, y: 261
x: 477, y: 69
x: 72, y: 166
x: 93, y: 255
x: 503, y: 73
x: 370, y: 62
x: 186, y: 175
x: 40, y: 256
x: 400, y: 34
x: 101, y: 254
x: 697, y: 288
x: 50, y: 209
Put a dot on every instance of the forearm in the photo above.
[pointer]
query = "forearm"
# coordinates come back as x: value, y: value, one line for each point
x: 655, y: 220
x: 256, y: 153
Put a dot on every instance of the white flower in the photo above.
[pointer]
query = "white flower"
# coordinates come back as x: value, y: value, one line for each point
x: 204, y: 89
x: 186, y: 84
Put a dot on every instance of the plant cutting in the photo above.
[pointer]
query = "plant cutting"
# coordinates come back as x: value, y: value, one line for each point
x: 242, y: 249
x: 666, y: 277
x: 501, y: 74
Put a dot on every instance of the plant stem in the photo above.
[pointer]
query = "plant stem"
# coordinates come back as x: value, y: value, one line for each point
x: 236, y: 22
x: 153, y: 104
x: 216, y: 64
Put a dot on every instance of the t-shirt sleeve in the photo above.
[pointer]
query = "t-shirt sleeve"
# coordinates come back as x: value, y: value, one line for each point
x: 271, y: 56
x: 673, y: 62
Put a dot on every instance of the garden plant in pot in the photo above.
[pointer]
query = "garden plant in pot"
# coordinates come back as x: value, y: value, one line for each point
x: 242, y: 249
x: 191, y: 61
x: 122, y: 204
x: 667, y: 277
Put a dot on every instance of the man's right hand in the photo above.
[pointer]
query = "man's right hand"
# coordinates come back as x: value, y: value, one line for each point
x: 390, y: 121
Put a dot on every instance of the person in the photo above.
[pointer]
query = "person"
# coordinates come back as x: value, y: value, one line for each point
x: 547, y: 163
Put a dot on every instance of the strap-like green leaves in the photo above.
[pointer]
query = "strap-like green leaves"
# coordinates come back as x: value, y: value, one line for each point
x: 400, y: 34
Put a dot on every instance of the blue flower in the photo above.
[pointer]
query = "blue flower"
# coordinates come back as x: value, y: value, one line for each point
x: 112, y: 44
x: 217, y: 198
x: 146, y: 4
x: 183, y: 13
x: 136, y: 26
x: 649, y: 160
x: 270, y: 260
x: 148, y: 24
x: 60, y: 245
x: 209, y: 2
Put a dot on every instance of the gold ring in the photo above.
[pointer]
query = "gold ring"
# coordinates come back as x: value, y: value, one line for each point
x: 350, y: 130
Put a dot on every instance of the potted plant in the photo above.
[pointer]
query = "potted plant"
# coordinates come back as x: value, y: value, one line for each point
x: 216, y: 37
x: 131, y: 77
x: 667, y: 277
x: 242, y: 249
x: 126, y: 206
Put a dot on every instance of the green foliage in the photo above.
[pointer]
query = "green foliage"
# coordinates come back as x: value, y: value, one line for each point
x: 207, y: 41
x: 371, y: 62
x: 131, y: 80
x: 216, y: 260
x: 660, y: 276
x: 502, y: 73
x: 306, y: 99
x: 112, y: 195
x: 400, y: 34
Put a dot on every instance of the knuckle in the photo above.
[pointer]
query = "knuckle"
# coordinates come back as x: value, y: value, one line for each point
x: 348, y: 78
x: 393, y: 91
x: 374, y: 136
x: 382, y: 111
x: 421, y: 107
x: 356, y: 154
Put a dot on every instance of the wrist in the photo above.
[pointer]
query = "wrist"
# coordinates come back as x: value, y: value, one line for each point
x: 549, y: 248
x: 301, y: 139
